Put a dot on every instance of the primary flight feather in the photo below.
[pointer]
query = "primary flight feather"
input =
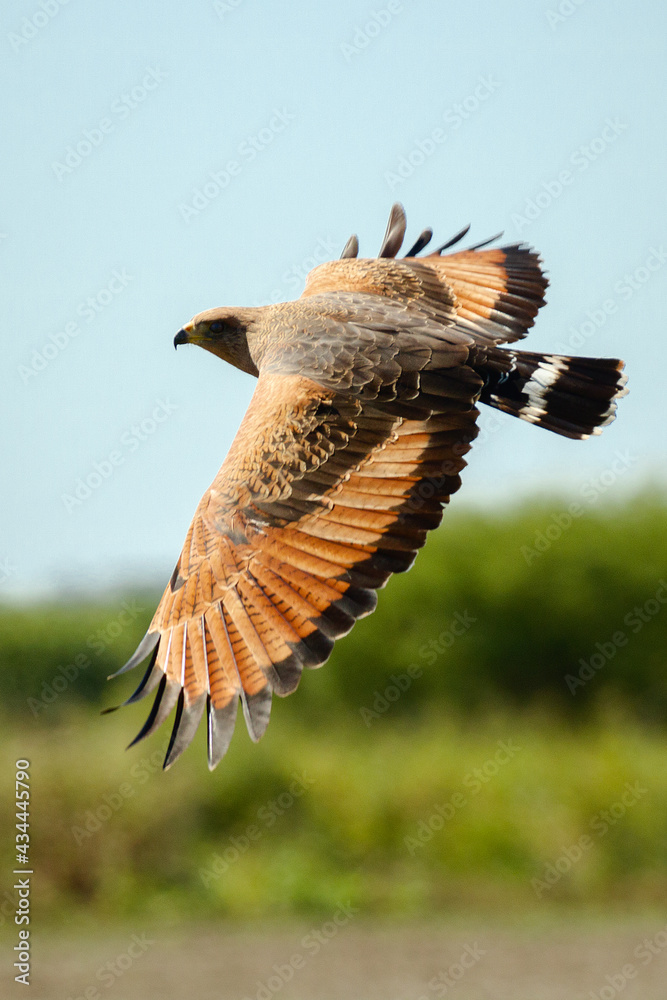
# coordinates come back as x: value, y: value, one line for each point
x: 352, y: 444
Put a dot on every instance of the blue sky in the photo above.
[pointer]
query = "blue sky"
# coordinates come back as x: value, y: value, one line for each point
x: 163, y: 158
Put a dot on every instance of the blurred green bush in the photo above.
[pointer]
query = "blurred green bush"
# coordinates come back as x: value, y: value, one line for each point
x: 405, y: 820
x: 532, y: 606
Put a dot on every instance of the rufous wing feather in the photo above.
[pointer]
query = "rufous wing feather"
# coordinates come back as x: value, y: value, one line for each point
x: 319, y: 500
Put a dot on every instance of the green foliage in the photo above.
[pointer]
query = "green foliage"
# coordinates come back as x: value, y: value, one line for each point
x: 534, y: 619
x: 405, y: 820
x: 54, y: 655
x: 537, y: 615
x: 473, y: 647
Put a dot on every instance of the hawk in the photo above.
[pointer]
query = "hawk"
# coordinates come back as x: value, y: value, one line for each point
x: 353, y: 442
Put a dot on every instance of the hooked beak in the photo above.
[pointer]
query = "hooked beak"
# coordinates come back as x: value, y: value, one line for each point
x: 183, y: 336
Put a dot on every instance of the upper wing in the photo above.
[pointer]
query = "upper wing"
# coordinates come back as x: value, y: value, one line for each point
x: 401, y: 331
x: 492, y: 296
x: 319, y: 500
x: 498, y: 291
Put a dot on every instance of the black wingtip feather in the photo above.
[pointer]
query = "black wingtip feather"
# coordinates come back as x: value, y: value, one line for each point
x: 360, y: 601
x: 318, y: 646
x: 186, y: 721
x: 483, y: 243
x: 174, y: 731
x: 148, y: 682
x: 287, y: 672
x: 147, y: 644
x: 257, y: 711
x: 165, y: 699
x: 395, y: 232
x: 351, y: 248
x: 219, y: 730
x: 422, y: 240
x: 451, y: 242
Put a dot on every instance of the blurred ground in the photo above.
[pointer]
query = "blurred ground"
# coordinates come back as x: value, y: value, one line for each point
x: 539, y: 962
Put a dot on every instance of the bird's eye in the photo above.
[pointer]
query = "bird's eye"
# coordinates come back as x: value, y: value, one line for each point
x: 216, y: 326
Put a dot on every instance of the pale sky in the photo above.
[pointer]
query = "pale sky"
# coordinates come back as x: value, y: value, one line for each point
x: 162, y: 158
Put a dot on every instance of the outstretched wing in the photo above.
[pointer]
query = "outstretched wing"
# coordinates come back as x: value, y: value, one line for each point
x: 321, y: 497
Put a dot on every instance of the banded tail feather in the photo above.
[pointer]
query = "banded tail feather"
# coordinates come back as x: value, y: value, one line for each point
x: 575, y: 397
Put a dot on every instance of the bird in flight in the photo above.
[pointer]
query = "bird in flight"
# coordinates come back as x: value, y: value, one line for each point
x: 353, y: 442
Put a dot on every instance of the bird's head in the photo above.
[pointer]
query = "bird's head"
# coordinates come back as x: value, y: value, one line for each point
x: 223, y: 332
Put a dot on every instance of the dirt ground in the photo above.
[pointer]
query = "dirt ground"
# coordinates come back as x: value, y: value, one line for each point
x: 343, y: 959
